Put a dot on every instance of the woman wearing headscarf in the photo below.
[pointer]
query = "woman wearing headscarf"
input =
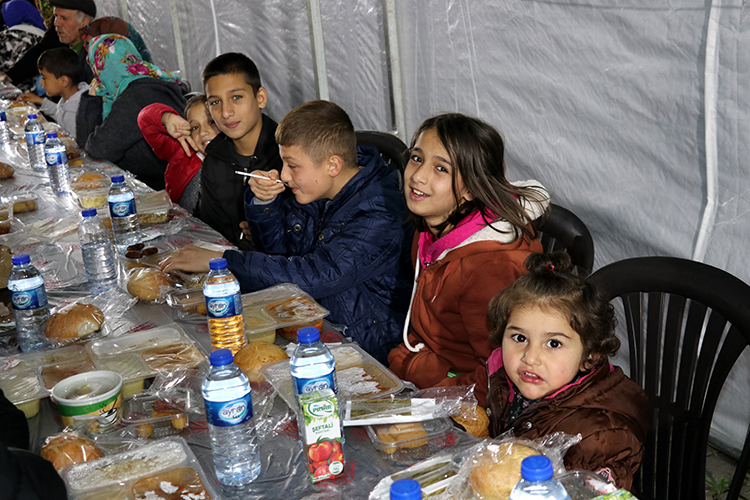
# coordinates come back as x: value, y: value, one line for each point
x: 25, y: 29
x: 107, y: 122
x: 117, y: 26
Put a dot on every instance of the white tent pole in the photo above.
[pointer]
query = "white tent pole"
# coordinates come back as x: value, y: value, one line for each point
x: 124, y: 12
x: 711, y: 77
x: 216, y: 28
x: 177, y: 38
x: 318, y: 51
x: 397, y: 91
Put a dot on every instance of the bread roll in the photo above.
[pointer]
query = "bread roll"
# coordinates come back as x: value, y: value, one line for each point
x: 69, y: 448
x: 90, y: 176
x: 74, y: 322
x: 474, y: 420
x: 252, y: 356
x: 497, y: 470
x: 148, y: 283
x: 6, y: 170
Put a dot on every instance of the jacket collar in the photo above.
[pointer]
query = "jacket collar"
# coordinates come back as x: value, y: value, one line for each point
x: 222, y: 147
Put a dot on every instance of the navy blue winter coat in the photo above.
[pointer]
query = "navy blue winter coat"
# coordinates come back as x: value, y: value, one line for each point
x: 344, y: 252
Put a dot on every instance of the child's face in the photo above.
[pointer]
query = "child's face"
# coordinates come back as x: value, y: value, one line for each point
x: 541, y: 352
x: 309, y: 182
x: 233, y: 106
x: 53, y: 86
x: 203, y: 129
x: 429, y: 182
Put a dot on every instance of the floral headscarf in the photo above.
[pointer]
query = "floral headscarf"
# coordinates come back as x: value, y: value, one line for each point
x: 116, y: 63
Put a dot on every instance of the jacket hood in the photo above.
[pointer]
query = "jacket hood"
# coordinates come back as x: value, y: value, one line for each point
x: 222, y: 147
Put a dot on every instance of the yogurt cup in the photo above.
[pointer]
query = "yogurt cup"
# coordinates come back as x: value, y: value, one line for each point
x: 92, y: 395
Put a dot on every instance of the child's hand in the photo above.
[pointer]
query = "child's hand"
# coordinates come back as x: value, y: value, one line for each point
x: 33, y: 98
x: 266, y: 189
x: 191, y: 258
x: 179, y: 128
x: 245, y: 227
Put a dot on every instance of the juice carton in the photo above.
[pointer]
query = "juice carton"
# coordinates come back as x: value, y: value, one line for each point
x: 321, y: 434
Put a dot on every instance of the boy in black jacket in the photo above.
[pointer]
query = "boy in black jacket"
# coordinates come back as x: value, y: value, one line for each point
x: 235, y: 99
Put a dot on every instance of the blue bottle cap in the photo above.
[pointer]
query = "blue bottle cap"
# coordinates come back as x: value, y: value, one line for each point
x: 118, y: 178
x: 406, y: 489
x: 220, y: 263
x: 89, y: 212
x: 31, y: 117
x: 536, y: 468
x: 2, y: 116
x: 52, y: 135
x: 21, y: 259
x: 308, y: 335
x: 221, y: 357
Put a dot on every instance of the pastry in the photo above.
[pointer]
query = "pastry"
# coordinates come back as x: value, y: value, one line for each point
x: 69, y: 448
x: 73, y: 322
x: 496, y: 471
x: 251, y: 357
x: 148, y: 284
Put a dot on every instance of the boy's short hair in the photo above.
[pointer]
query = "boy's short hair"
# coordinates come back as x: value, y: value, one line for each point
x: 321, y: 129
x: 197, y: 98
x: 61, y: 61
x: 233, y: 63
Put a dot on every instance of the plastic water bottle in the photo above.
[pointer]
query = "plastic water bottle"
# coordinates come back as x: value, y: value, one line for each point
x: 125, y: 226
x: 29, y: 300
x: 312, y: 364
x: 406, y: 489
x: 35, y: 142
x: 229, y: 408
x: 57, y: 164
x: 226, y: 324
x: 97, y: 253
x: 4, y: 131
x: 537, y: 481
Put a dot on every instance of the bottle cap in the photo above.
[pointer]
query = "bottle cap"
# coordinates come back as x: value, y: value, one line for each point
x: 308, y: 335
x: 220, y: 263
x: 406, y: 489
x: 221, y: 357
x: 536, y: 468
x: 2, y: 116
x: 51, y: 135
x: 31, y: 117
x: 118, y: 178
x: 89, y: 212
x: 20, y: 259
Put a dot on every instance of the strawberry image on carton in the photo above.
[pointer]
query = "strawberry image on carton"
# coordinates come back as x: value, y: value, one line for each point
x: 321, y: 434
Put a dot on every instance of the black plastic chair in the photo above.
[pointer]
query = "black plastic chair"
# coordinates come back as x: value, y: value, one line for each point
x: 391, y: 148
x: 687, y: 324
x: 563, y: 231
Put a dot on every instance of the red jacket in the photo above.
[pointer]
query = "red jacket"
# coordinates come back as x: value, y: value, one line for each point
x: 449, y: 310
x: 181, y: 168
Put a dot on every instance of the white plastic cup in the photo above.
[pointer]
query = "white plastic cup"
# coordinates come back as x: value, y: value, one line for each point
x: 92, y: 395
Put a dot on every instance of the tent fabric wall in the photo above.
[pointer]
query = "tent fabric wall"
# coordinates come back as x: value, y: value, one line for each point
x: 601, y: 100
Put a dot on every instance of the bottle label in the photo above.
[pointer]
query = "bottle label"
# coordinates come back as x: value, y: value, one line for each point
x: 34, y: 138
x: 56, y: 157
x: 122, y: 208
x: 29, y: 299
x: 224, y: 307
x: 230, y: 413
x: 309, y: 385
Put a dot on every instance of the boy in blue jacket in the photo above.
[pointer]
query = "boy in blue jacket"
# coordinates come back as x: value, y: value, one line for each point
x: 339, y: 237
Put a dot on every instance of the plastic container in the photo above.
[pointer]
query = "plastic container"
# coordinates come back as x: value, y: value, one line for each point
x: 405, y: 444
x: 34, y: 132
x: 313, y: 367
x: 96, y: 249
x: 131, y: 367
x: 56, y: 159
x: 585, y: 485
x: 153, y: 208
x: 406, y: 489
x: 226, y: 324
x: 229, y: 408
x: 92, y: 193
x: 29, y: 299
x: 4, y: 130
x: 284, y: 308
x: 123, y: 214
x: 359, y: 376
x: 154, y: 417
x: 538, y: 481
x: 92, y: 395
x: 188, y: 303
x: 433, y: 475
x: 6, y: 216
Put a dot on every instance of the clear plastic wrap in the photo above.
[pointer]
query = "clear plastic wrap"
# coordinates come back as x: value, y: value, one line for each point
x: 149, y: 284
x: 585, y: 485
x: 69, y: 447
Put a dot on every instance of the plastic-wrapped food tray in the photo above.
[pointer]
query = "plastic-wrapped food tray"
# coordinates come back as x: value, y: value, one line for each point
x: 358, y: 375
x: 408, y: 443
x: 153, y: 208
x: 434, y: 475
x: 165, y: 469
x: 286, y: 305
x: 154, y: 417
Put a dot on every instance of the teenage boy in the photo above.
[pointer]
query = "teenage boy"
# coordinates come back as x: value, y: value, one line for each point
x: 338, y: 238
x: 235, y: 99
x: 60, y: 77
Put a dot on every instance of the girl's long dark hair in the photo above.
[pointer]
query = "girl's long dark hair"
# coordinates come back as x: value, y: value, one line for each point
x: 477, y: 152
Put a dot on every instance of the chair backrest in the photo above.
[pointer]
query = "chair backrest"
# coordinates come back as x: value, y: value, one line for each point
x: 687, y: 324
x: 563, y: 231
x: 391, y: 148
